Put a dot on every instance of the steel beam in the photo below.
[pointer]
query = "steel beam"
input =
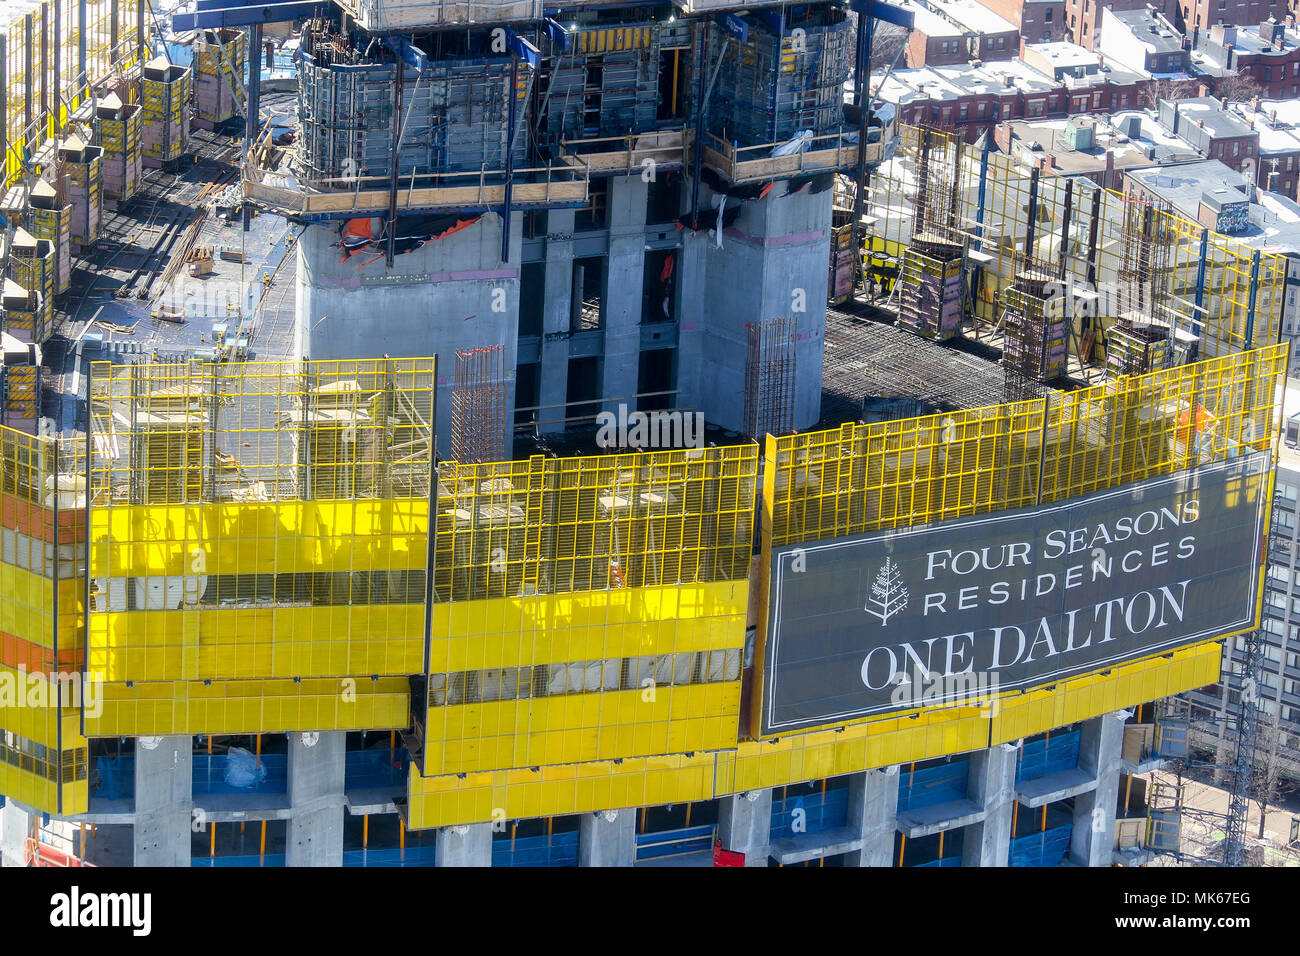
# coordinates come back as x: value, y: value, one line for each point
x: 242, y: 16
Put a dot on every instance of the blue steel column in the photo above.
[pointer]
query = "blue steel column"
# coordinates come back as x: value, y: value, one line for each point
x: 977, y: 274
x: 1254, y: 292
x: 252, y: 112
x: 510, y: 157
x: 1200, y: 283
x: 81, y: 41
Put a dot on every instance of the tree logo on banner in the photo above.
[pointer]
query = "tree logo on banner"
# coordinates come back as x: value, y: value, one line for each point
x: 888, y: 595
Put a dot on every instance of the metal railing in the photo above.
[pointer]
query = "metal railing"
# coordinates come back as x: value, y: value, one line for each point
x: 538, y: 186
x: 818, y: 154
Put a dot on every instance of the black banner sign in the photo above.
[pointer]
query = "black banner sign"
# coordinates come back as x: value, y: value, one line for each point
x: 893, y: 620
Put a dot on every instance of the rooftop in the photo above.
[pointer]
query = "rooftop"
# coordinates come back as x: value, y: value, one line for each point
x: 974, y: 16
x: 1156, y: 35
x: 1209, y: 114
x: 950, y: 82
x: 1276, y: 134
x: 928, y: 22
x: 1062, y: 54
x: 1109, y: 134
x: 1274, y: 225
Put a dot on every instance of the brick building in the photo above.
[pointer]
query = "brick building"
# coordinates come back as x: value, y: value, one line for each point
x: 974, y: 99
x: 1143, y: 41
x: 1083, y: 18
x: 1096, y: 147
x: 1279, y: 143
x: 1037, y: 20
x: 1214, y: 132
x: 1268, y: 53
x: 1188, y: 15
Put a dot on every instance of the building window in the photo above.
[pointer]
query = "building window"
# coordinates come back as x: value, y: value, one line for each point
x: 1074, y: 21
x: 1085, y: 28
x: 1048, y: 17
x: 1123, y: 99
x: 1035, y: 108
x: 964, y: 112
x: 1289, y: 161
x: 1096, y: 100
x: 1002, y: 45
x: 981, y: 109
x: 1236, y: 149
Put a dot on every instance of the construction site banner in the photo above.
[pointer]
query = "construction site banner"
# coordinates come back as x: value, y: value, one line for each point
x: 926, y: 615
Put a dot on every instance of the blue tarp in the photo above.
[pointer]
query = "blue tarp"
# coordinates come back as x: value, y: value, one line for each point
x: 821, y: 811
x: 650, y: 846
x: 1042, y: 849
x: 365, y: 769
x: 210, y: 775
x: 116, y: 777
x: 931, y: 786
x: 392, y: 856
x: 1051, y: 755
x: 558, y: 849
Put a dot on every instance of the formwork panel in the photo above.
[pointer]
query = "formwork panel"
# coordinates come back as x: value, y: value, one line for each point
x: 120, y: 131
x: 778, y: 83
x: 165, y: 115
x: 553, y: 790
x: 1238, y: 289
x: 251, y: 707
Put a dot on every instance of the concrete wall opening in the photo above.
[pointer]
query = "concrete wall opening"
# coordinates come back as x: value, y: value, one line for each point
x: 656, y: 378
x: 532, y: 295
x: 584, y: 388
x: 658, y: 288
x: 586, y: 307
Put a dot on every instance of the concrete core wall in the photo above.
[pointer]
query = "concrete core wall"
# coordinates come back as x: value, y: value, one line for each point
x: 453, y: 293
x: 773, y: 262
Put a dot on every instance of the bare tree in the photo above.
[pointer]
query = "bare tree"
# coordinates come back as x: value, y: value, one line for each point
x: 1239, y: 88
x: 885, y: 44
x: 1269, y: 757
x: 1165, y: 89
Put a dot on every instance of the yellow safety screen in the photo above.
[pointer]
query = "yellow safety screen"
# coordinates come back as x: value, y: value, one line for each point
x: 37, y: 100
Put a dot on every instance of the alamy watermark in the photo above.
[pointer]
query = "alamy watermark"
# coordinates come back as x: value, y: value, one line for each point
x: 969, y: 689
x: 657, y: 429
x: 36, y: 690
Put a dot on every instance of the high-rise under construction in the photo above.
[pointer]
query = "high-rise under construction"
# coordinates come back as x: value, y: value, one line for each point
x: 419, y: 556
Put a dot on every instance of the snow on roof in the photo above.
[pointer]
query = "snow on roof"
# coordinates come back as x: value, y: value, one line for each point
x: 974, y: 16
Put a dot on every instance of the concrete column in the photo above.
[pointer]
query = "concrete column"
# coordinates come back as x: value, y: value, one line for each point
x: 553, y: 371
x: 1101, y: 741
x: 465, y: 846
x: 15, y: 825
x: 992, y: 785
x: 873, y: 811
x: 607, y: 838
x: 779, y: 248
x: 164, y: 801
x: 624, y: 280
x: 745, y: 825
x: 316, y: 770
